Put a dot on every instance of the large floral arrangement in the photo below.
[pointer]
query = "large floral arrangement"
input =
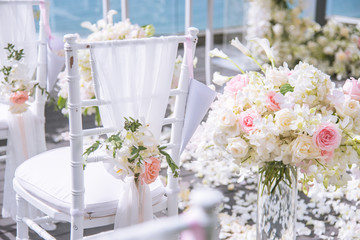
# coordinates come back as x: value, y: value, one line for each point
x: 288, y: 117
x: 135, y: 152
x: 333, y: 48
x: 102, y: 31
x: 16, y: 85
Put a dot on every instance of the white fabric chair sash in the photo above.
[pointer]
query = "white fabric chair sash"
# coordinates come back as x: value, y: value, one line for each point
x: 136, y: 79
x: 26, y: 130
x: 18, y: 27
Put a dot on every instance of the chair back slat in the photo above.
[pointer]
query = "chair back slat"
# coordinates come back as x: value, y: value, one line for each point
x: 98, y: 131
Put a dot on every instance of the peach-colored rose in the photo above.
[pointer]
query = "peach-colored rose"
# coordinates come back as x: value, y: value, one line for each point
x: 246, y: 120
x: 271, y: 102
x: 152, y: 168
x: 327, y: 137
x: 352, y: 88
x: 236, y: 84
x: 19, y: 97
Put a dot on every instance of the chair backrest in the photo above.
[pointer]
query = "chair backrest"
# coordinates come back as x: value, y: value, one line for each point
x: 199, y: 221
x: 105, y: 78
x: 41, y: 65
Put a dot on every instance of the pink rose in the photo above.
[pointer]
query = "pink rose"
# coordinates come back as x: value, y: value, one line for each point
x: 236, y: 84
x: 327, y: 137
x: 352, y: 88
x: 152, y: 169
x: 246, y: 120
x: 19, y: 97
x: 271, y: 102
x: 328, y: 155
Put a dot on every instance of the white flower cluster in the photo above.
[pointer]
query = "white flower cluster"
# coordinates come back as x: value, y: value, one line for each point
x: 333, y: 48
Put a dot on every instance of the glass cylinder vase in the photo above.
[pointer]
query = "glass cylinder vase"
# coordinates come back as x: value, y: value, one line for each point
x: 276, y: 205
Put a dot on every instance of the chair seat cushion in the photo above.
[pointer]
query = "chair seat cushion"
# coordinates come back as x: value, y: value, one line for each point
x: 47, y: 176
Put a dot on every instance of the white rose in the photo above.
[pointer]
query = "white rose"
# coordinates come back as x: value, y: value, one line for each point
x: 227, y: 119
x: 303, y: 148
x: 284, y: 118
x: 220, y: 138
x: 237, y: 147
x: 277, y: 77
x: 351, y: 108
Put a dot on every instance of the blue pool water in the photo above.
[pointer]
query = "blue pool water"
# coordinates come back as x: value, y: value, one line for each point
x: 167, y: 16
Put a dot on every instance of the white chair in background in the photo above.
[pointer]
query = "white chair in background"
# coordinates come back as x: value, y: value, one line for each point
x: 198, y: 222
x: 131, y: 78
x: 17, y: 27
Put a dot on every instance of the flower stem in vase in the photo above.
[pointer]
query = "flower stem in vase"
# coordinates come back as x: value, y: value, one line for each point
x: 277, y: 193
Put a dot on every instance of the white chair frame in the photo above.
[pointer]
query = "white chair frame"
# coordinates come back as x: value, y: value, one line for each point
x: 76, y: 216
x: 41, y: 70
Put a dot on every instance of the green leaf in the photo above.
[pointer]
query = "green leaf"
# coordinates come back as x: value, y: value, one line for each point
x: 286, y: 88
x: 97, y: 117
x: 92, y: 148
x: 169, y: 161
x: 61, y: 102
x: 142, y: 148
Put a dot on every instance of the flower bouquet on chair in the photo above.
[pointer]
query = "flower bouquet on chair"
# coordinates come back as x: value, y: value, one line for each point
x: 137, y: 160
x: 16, y: 85
x: 283, y: 120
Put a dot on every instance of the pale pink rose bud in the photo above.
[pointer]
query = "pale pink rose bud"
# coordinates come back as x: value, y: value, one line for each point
x: 246, y: 120
x: 352, y: 88
x: 271, y: 101
x: 328, y: 155
x: 19, y: 97
x: 327, y: 137
x: 236, y: 84
x: 152, y: 169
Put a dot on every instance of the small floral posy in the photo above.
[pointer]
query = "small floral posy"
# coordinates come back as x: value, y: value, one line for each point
x: 135, y: 152
x: 16, y: 85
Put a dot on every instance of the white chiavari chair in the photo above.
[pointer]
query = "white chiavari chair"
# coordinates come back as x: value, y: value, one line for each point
x: 18, y: 28
x: 55, y: 181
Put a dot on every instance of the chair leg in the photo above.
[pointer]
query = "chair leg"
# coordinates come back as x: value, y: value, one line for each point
x: 22, y: 231
x: 77, y: 229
